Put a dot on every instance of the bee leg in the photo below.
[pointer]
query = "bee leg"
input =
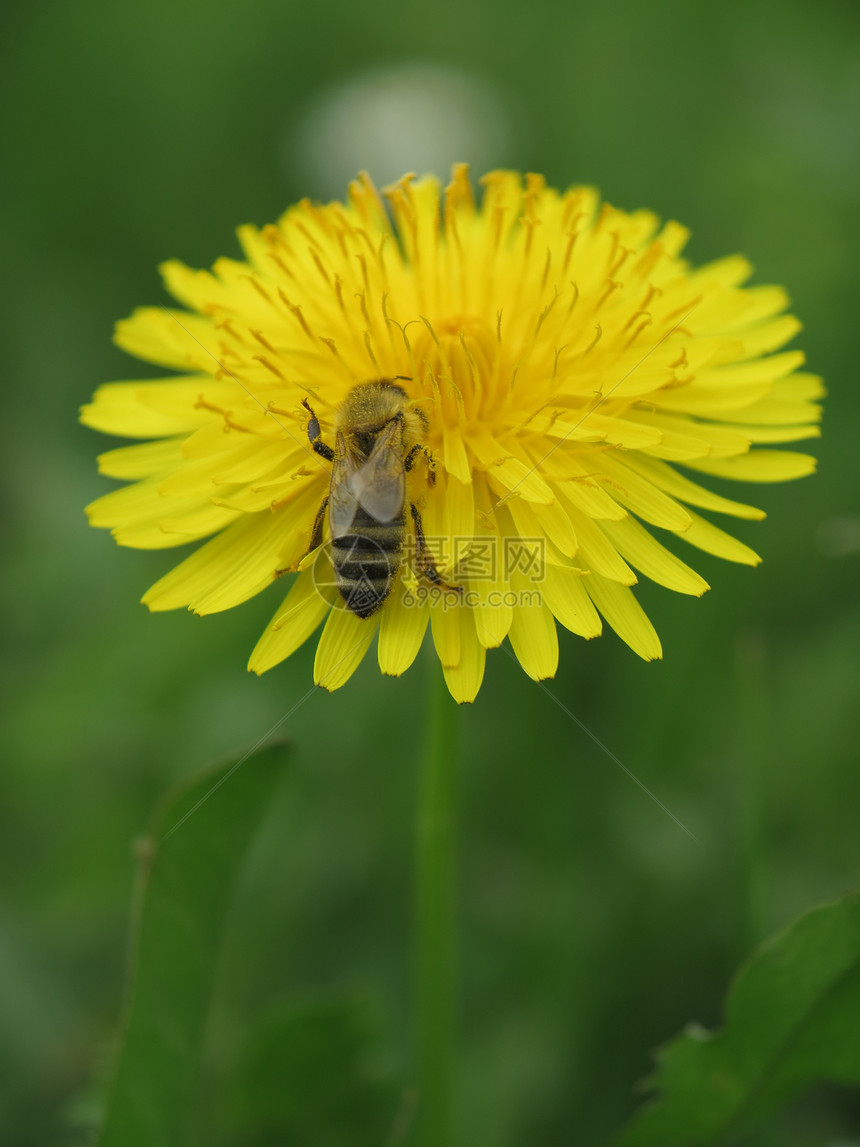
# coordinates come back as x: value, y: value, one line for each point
x: 425, y: 558
x: 317, y: 531
x: 431, y: 467
x: 316, y: 536
x: 315, y: 435
x: 409, y: 462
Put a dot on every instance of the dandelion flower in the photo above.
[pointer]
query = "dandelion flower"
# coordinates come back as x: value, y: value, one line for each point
x: 575, y: 375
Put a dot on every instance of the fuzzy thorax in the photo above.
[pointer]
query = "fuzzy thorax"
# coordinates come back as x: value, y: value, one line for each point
x: 370, y: 406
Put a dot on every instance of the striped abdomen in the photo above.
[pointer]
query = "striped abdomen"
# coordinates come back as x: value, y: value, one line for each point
x: 366, y: 561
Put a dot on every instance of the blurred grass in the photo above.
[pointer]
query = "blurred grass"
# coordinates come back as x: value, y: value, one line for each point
x: 593, y: 928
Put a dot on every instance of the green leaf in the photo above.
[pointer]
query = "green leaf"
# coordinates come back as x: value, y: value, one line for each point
x: 792, y: 1020
x: 318, y: 1070
x: 197, y: 842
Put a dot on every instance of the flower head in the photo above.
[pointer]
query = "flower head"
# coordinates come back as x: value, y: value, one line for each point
x: 562, y: 372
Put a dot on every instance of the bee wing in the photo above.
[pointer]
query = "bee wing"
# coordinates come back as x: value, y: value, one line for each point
x: 380, y: 483
x: 343, y: 503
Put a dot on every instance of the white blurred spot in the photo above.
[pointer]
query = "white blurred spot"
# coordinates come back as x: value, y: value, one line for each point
x: 388, y: 121
x: 838, y: 537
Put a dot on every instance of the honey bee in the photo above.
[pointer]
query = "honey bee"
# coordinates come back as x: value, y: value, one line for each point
x: 379, y: 436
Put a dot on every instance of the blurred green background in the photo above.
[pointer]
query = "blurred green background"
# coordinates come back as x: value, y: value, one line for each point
x: 592, y: 927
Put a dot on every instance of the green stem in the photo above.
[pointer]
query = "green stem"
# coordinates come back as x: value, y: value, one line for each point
x: 435, y: 917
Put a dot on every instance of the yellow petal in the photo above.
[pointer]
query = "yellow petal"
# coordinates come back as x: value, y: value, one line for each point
x: 585, y: 492
x: 532, y: 521
x: 565, y: 595
x: 513, y: 477
x: 712, y: 439
x: 800, y: 387
x: 270, y: 495
x: 301, y: 612
x: 596, y: 552
x: 459, y: 510
x: 221, y: 559
x: 176, y: 529
x: 170, y: 338
x: 671, y: 482
x: 632, y: 435
x: 626, y: 616
x: 640, y: 548
x: 445, y: 626
x: 455, y: 455
x: 706, y: 536
x: 742, y: 374
x: 464, y: 679
x: 488, y: 586
x: 770, y: 336
x: 257, y: 461
x: 343, y: 643
x: 758, y: 466
x: 157, y: 408
x: 555, y: 523
x: 142, y: 461
x: 763, y: 301
x: 431, y: 507
x: 778, y: 433
x: 533, y: 635
x: 489, y: 592
x: 143, y: 518
x: 239, y: 563
x: 711, y: 401
x: 241, y: 419
x: 449, y: 521
x: 197, y: 477
x: 680, y: 437
x: 673, y: 237
x: 782, y: 407
x: 642, y: 496
x: 730, y: 271
x: 195, y: 289
x: 402, y: 626
x: 735, y: 312
x: 492, y: 611
x: 506, y: 473
x: 252, y: 465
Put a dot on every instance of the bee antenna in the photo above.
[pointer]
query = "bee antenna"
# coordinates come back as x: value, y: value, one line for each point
x: 403, y: 377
